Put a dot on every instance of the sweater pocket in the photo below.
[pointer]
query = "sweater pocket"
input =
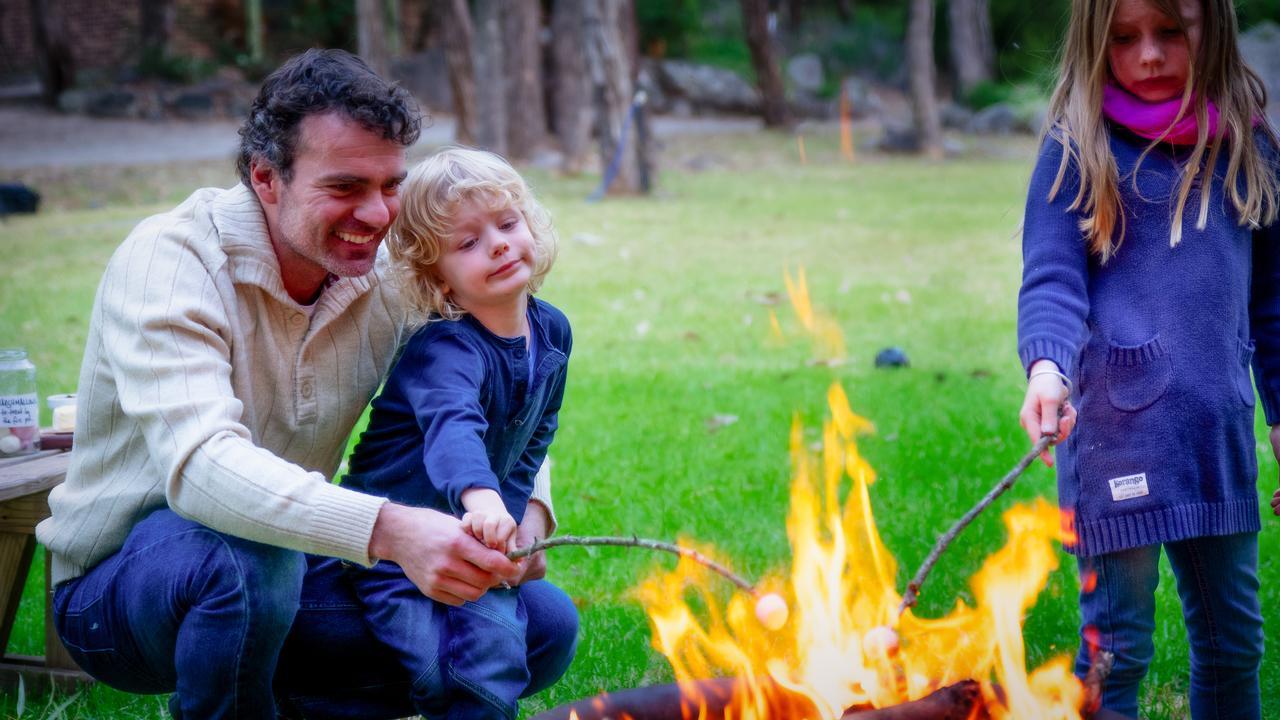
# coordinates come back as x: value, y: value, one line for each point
x: 1244, y: 381
x: 1137, y: 375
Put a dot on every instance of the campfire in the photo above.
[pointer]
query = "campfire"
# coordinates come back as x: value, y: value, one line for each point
x: 843, y: 645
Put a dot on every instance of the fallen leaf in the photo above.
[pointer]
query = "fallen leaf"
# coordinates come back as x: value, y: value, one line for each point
x: 715, y: 422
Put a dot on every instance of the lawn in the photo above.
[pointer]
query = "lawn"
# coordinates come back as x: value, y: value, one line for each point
x: 670, y: 298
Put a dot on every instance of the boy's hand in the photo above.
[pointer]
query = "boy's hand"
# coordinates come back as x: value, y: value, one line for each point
x: 1046, y: 409
x: 487, y: 519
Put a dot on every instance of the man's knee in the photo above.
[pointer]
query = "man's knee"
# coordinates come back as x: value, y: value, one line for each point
x: 552, y: 633
x: 266, y: 581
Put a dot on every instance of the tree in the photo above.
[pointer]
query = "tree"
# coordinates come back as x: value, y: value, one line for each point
x: 522, y: 61
x: 54, y: 62
x: 920, y: 65
x: 156, y: 23
x: 371, y: 35
x: 973, y: 51
x: 570, y: 87
x: 455, y: 20
x: 755, y: 18
x: 491, y: 95
x: 611, y: 90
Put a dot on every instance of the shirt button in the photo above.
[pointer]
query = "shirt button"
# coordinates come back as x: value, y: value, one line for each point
x: 298, y: 321
x: 307, y: 389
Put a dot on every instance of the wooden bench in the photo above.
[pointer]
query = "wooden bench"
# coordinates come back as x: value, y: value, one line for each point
x: 25, y: 482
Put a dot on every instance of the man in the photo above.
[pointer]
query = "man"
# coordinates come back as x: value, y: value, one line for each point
x: 233, y: 344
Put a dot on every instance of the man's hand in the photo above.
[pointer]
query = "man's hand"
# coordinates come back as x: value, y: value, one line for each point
x: 533, y: 527
x: 437, y: 555
x: 1274, y: 436
x: 1046, y: 409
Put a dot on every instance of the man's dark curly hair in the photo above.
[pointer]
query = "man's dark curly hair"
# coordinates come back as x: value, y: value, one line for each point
x: 314, y: 83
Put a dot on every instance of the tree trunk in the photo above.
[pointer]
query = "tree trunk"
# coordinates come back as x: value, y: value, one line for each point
x: 254, y: 31
x: 570, y: 86
x: 371, y: 35
x: 455, y: 21
x: 611, y: 92
x: 920, y: 65
x: 54, y: 62
x: 972, y: 46
x: 526, y: 106
x: 755, y: 19
x: 156, y: 22
x: 487, y: 58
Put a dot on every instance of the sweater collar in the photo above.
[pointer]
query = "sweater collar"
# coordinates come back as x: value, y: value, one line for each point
x: 242, y: 234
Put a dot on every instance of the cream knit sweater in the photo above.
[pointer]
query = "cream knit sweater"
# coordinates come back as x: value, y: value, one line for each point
x: 206, y: 388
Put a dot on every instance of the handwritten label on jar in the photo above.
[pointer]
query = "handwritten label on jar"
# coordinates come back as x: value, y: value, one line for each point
x: 19, y: 410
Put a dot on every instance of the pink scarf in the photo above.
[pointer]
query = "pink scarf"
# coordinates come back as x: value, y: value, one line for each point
x: 1150, y: 120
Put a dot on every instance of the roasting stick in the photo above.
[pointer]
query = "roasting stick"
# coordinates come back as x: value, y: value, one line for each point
x: 633, y: 541
x: 913, y: 587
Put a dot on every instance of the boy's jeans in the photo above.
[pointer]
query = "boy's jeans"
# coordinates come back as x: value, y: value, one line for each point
x: 467, y: 663
x: 1218, y: 582
x: 184, y: 609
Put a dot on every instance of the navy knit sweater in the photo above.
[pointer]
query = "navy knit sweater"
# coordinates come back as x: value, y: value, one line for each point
x: 1158, y: 344
x: 459, y: 411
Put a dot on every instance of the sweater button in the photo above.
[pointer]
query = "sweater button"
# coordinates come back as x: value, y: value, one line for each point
x: 307, y: 389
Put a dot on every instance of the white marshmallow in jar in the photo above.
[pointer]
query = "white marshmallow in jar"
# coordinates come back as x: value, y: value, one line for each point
x: 19, y: 404
x: 63, y: 408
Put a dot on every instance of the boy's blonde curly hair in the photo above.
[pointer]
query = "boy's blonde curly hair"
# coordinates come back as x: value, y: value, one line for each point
x: 430, y: 198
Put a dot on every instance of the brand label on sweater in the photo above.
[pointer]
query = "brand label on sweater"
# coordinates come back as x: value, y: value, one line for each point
x: 1129, y: 486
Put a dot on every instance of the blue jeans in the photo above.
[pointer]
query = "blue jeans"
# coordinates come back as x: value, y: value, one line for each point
x: 467, y: 662
x: 212, y: 618
x: 1218, y: 583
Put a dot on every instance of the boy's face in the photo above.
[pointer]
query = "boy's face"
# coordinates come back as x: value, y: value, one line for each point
x: 488, y: 258
x: 1148, y: 53
x: 333, y: 214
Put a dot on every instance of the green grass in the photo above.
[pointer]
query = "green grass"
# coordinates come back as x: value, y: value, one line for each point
x: 670, y: 314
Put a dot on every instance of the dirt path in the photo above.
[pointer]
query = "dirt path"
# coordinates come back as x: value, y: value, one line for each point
x: 34, y: 137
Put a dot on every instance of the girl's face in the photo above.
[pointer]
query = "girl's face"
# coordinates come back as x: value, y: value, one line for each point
x: 1149, y: 55
x: 489, y: 258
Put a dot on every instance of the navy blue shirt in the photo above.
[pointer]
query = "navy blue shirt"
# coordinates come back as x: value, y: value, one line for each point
x: 1158, y: 344
x: 458, y: 411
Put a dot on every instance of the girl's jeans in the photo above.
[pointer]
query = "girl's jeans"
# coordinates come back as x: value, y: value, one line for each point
x: 1218, y: 582
x: 188, y: 610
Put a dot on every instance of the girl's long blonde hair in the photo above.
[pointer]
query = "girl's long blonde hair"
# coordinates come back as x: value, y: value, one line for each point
x: 430, y: 198
x: 1218, y: 72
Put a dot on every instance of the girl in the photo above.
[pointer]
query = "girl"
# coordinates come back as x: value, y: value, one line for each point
x: 1141, y: 242
x: 464, y: 420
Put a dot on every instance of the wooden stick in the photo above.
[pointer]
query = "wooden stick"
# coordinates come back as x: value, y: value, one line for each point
x: 636, y: 542
x: 913, y: 587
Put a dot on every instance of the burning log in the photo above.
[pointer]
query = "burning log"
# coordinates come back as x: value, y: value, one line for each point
x: 961, y: 701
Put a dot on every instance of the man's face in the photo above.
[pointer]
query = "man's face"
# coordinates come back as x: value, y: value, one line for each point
x: 331, y: 217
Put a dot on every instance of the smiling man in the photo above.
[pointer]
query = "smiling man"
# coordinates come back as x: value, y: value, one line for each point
x: 233, y: 345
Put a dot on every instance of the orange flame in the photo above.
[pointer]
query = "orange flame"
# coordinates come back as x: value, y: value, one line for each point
x: 844, y: 645
x: 829, y: 341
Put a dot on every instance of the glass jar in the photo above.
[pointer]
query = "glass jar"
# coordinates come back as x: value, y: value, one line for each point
x: 19, y: 404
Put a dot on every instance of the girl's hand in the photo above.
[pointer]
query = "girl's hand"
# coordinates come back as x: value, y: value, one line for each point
x: 1046, y: 409
x: 533, y: 527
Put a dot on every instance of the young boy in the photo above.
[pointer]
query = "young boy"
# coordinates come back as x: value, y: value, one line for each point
x: 465, y: 418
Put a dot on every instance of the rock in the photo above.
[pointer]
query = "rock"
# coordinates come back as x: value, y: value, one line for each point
x: 706, y: 88
x: 1260, y: 47
x: 805, y: 72
x: 864, y: 101
x: 114, y: 103
x: 191, y: 105
x: 899, y: 139
x: 892, y: 357
x: 955, y: 116
x: 998, y: 119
